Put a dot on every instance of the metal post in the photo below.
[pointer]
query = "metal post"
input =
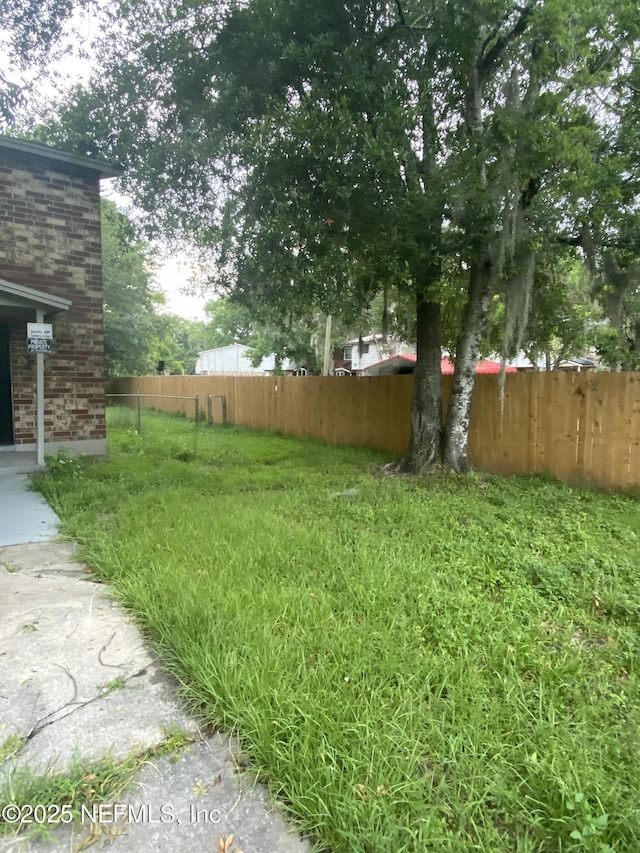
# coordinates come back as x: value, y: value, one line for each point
x: 39, y: 397
x: 197, y: 408
x: 223, y: 403
x: 327, y: 364
x: 139, y: 415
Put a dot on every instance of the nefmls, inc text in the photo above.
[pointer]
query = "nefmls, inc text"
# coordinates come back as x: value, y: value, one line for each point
x: 108, y: 813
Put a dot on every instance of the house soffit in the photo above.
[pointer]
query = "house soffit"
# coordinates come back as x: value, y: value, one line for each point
x: 19, y: 296
x: 24, y: 152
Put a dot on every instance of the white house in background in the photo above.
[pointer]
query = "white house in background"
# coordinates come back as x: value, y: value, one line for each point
x: 373, y: 349
x: 235, y: 360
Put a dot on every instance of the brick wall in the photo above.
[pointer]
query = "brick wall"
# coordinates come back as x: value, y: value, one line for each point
x: 50, y: 241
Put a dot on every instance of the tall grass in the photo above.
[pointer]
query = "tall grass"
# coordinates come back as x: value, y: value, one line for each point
x: 438, y: 664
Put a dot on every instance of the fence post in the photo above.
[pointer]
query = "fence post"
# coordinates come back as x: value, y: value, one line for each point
x: 139, y: 415
x: 209, y: 410
x: 197, y: 408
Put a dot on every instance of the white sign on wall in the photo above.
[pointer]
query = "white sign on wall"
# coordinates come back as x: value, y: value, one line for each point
x: 40, y: 330
x: 39, y: 337
x: 39, y: 345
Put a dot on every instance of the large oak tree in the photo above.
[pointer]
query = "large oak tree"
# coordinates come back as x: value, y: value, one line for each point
x: 328, y: 151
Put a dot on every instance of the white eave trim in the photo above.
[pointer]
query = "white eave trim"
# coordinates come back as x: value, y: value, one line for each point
x: 20, y: 296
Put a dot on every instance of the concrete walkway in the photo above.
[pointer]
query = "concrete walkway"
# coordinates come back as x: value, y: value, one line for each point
x: 24, y: 515
x: 78, y: 683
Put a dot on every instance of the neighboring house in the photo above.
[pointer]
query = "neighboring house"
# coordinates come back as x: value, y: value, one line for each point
x: 578, y: 363
x: 485, y: 365
x: 406, y: 364
x: 522, y: 363
x: 51, y: 274
x: 235, y: 359
x: 399, y: 364
x: 360, y: 353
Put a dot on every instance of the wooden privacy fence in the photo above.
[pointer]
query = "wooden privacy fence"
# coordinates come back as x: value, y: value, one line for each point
x: 582, y: 427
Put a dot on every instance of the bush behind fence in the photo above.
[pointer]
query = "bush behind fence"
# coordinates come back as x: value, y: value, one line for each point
x: 579, y: 427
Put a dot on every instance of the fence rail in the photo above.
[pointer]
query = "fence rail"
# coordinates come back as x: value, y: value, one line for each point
x: 579, y: 427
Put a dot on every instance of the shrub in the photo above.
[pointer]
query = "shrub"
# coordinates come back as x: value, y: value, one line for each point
x: 65, y: 463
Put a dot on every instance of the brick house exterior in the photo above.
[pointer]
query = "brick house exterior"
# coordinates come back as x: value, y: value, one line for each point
x: 51, y: 271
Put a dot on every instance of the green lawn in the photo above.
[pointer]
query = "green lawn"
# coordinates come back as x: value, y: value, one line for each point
x: 442, y: 664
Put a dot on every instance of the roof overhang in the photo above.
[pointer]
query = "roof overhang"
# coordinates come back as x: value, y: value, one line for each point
x: 19, y: 298
x: 390, y: 366
x: 28, y: 153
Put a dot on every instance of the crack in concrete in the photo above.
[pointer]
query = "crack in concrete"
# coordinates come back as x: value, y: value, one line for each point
x: 46, y: 721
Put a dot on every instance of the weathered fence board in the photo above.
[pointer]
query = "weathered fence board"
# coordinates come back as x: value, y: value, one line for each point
x: 579, y: 427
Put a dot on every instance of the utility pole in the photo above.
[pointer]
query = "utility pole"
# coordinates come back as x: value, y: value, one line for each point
x: 327, y: 365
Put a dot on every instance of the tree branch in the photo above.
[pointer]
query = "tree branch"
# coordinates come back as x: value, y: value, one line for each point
x: 530, y: 192
x: 487, y: 61
x: 580, y: 241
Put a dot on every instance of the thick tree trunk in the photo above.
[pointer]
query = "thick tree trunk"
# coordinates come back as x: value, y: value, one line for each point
x: 456, y: 444
x: 425, y: 447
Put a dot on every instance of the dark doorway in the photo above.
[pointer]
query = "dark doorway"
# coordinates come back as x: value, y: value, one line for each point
x: 6, y: 403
